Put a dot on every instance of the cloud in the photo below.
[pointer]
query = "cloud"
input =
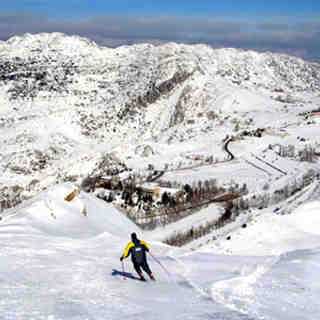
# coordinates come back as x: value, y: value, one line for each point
x: 296, y: 38
x: 273, y: 26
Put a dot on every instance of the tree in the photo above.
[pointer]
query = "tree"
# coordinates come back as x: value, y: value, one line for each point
x: 165, y: 198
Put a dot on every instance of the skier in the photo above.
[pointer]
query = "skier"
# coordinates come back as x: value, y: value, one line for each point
x: 137, y: 249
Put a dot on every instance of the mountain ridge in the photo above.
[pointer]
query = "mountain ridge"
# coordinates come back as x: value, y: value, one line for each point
x: 61, y: 94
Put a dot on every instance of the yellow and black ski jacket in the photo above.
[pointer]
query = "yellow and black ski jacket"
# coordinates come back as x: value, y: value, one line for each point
x: 137, y: 249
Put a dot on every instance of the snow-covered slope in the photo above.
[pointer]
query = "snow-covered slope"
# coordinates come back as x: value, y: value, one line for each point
x: 70, y: 108
x: 58, y: 264
x: 65, y: 102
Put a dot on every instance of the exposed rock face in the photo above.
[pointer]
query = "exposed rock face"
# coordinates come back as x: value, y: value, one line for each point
x: 29, y: 77
x: 144, y: 150
x: 10, y: 196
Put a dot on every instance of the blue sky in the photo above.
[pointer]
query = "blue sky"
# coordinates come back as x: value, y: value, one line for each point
x: 83, y: 8
x: 291, y: 26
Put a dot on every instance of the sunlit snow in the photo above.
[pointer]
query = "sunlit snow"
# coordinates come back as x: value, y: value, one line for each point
x: 60, y: 259
x: 57, y: 263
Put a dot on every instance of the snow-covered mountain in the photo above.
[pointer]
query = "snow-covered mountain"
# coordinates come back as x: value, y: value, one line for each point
x: 70, y: 109
x: 65, y: 102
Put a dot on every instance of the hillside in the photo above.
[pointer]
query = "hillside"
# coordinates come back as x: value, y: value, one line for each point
x: 215, y: 151
x: 66, y: 103
x: 57, y: 263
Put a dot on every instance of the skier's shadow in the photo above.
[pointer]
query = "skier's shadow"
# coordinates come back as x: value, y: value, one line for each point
x: 125, y: 274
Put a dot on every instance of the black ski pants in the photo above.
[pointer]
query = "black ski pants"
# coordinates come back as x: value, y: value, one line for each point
x: 143, y: 265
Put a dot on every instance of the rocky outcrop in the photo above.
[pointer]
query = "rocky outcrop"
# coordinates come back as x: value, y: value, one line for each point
x: 28, y: 77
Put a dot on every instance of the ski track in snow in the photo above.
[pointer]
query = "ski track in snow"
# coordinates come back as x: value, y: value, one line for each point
x: 238, y: 293
x: 184, y: 270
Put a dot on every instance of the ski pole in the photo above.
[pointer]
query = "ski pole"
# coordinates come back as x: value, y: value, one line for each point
x: 123, y: 274
x: 159, y: 263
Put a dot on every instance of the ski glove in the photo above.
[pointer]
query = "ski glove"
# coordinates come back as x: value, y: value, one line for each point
x: 121, y: 258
